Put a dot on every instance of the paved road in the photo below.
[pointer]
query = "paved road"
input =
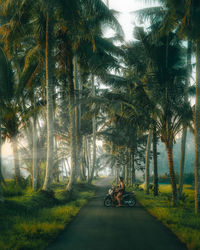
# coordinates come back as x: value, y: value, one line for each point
x: 97, y: 227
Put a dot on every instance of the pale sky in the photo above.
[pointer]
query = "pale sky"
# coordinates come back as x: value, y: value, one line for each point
x: 125, y: 18
x: 6, y: 149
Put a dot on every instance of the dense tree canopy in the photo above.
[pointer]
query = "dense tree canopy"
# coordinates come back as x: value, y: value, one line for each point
x: 64, y: 87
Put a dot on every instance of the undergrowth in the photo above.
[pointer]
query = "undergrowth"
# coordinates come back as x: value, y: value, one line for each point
x: 31, y: 220
x: 181, y: 219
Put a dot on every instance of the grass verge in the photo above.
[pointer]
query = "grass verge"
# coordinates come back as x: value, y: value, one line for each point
x: 34, y: 220
x: 181, y: 220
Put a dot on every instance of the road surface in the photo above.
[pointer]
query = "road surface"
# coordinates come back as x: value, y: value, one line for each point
x: 97, y: 227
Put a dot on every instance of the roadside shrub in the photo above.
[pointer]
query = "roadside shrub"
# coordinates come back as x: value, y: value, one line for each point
x: 11, y: 189
x: 183, y: 197
x: 152, y: 188
x: 43, y: 199
x: 166, y: 196
x: 137, y: 187
x: 63, y: 196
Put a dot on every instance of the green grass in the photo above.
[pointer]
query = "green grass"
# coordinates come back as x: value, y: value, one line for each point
x: 181, y: 219
x: 33, y: 220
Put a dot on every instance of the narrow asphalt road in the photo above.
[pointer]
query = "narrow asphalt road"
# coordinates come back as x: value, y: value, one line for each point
x: 97, y: 227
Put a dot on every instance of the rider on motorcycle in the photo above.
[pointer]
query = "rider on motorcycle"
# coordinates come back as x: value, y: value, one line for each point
x: 120, y: 191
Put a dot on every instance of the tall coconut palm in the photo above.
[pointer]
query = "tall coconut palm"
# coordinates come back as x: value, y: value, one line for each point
x: 49, y: 99
x: 171, y: 113
x: 22, y: 12
x: 190, y: 28
x: 94, y: 130
x: 163, y: 76
x: 155, y: 165
x: 184, y: 134
x: 184, y: 14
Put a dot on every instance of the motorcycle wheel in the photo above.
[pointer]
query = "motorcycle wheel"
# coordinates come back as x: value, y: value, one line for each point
x: 132, y: 202
x: 108, y: 202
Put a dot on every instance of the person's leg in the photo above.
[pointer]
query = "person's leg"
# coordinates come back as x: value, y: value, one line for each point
x: 114, y: 196
x: 118, y: 198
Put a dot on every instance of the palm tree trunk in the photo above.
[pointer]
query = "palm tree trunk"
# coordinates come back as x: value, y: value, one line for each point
x: 80, y: 136
x: 83, y: 159
x: 184, y: 135
x: 73, y: 147
x: 16, y: 160
x: 132, y: 167
x: 123, y: 164
x: 83, y: 175
x: 118, y: 166
x: 2, y: 181
x: 147, y: 161
x: 77, y: 115
x: 197, y: 130
x: 49, y: 112
x: 155, y: 165
x: 1, y: 175
x: 89, y: 160
x: 56, y: 164
x: 172, y: 173
x: 94, y: 132
x: 86, y: 158
x: 72, y: 177
x: 182, y: 161
x: 133, y: 150
x: 34, y: 152
x: 127, y: 168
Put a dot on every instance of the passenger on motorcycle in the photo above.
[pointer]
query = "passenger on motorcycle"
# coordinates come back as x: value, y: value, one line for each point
x: 120, y: 191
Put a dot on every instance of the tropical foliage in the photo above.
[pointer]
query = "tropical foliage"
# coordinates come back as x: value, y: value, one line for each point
x: 65, y: 87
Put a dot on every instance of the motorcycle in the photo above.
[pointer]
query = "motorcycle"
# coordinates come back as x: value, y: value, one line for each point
x: 128, y: 198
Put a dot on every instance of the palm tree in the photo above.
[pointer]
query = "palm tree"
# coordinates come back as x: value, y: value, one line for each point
x: 49, y: 98
x: 164, y: 76
x: 172, y: 113
x: 184, y: 134
x: 6, y: 85
x: 191, y: 30
x: 94, y: 130
x: 22, y: 12
x: 184, y: 14
x: 155, y: 169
